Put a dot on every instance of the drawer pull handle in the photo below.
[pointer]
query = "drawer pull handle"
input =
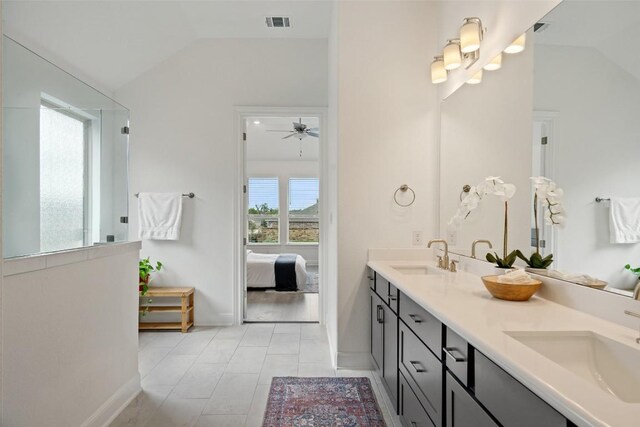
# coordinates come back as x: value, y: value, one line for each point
x: 414, y: 424
x: 449, y: 352
x: 380, y: 314
x: 415, y: 318
x: 416, y: 366
x: 392, y: 297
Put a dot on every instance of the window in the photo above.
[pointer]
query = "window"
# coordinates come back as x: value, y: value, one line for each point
x: 303, y: 210
x: 63, y: 186
x: 263, y: 212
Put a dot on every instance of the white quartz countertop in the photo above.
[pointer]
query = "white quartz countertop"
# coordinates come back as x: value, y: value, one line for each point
x: 461, y: 301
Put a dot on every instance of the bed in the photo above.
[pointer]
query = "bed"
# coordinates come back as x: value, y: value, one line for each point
x: 284, y: 272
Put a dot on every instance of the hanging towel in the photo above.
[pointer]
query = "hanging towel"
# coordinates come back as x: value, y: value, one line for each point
x: 160, y: 215
x: 624, y: 220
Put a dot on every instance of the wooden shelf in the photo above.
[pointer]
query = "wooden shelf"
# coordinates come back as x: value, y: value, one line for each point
x: 164, y: 308
x: 185, y: 308
x: 158, y: 326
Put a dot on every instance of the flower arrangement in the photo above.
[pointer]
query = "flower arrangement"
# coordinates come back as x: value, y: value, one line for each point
x: 495, y: 186
x: 549, y: 196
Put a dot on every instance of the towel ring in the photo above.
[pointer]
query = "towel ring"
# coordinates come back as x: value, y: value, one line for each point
x: 404, y: 188
x: 465, y: 189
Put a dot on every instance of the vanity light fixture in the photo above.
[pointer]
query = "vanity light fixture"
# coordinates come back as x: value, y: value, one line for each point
x: 438, y: 72
x: 471, y: 34
x: 476, y: 78
x: 495, y: 64
x: 517, y: 45
x: 452, y: 55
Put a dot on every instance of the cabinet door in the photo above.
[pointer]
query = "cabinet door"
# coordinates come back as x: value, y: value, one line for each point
x: 377, y: 331
x: 462, y: 410
x: 390, y: 368
x: 411, y: 412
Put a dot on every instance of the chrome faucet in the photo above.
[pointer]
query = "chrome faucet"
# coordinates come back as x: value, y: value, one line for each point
x: 443, y: 262
x: 475, y: 242
x: 631, y: 313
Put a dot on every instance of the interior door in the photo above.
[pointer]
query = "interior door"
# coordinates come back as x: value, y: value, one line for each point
x: 245, y: 235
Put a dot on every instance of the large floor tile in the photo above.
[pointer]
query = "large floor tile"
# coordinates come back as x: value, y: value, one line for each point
x: 149, y: 357
x: 258, y: 335
x: 287, y: 328
x: 199, y: 381
x: 232, y: 332
x: 258, y: 406
x: 219, y: 351
x: 247, y: 360
x: 313, y: 331
x: 169, y: 371
x: 221, y: 421
x: 165, y: 339
x: 194, y: 343
x: 284, y: 344
x: 315, y: 370
x: 278, y: 365
x: 178, y: 412
x: 314, y: 351
x: 233, y: 395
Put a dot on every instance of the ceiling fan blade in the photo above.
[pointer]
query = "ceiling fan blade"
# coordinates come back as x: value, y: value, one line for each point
x: 289, y: 136
x: 272, y: 130
x: 315, y: 134
x: 314, y: 129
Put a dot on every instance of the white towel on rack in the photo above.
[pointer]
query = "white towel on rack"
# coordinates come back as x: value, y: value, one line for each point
x: 624, y: 220
x: 160, y: 215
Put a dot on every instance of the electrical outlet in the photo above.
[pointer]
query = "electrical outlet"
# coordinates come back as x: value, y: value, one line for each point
x: 452, y: 237
x: 418, y: 238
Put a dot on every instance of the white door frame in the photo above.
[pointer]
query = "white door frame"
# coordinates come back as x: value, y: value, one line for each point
x: 241, y: 114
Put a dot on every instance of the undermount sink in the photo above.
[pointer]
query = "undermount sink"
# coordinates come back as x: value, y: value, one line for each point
x: 605, y: 363
x: 416, y: 270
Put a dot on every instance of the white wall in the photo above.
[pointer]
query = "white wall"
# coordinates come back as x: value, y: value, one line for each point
x: 284, y: 170
x: 388, y: 120
x: 69, y: 332
x: 504, y: 20
x: 486, y: 131
x: 595, y: 153
x: 183, y: 139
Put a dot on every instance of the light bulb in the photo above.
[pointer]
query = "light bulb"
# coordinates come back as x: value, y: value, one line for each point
x: 495, y: 64
x: 517, y: 45
x: 470, y: 34
x: 477, y: 78
x: 452, y: 56
x: 438, y: 72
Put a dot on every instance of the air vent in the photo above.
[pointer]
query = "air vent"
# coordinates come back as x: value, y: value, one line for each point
x: 278, y: 22
x: 539, y: 27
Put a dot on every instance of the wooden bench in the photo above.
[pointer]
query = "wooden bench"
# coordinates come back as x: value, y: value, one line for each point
x: 185, y: 308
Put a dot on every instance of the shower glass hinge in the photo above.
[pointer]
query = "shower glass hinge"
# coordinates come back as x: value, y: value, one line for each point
x: 124, y: 220
x: 125, y: 130
x: 544, y: 140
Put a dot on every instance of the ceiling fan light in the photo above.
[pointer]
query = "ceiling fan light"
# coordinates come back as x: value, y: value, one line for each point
x: 495, y: 64
x: 517, y: 45
x: 476, y: 78
x: 438, y: 72
x: 470, y: 35
x: 452, y: 55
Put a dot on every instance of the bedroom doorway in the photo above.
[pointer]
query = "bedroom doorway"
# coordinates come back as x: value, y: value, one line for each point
x: 282, y: 218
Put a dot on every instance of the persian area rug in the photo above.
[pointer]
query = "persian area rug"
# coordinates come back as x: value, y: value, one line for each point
x: 322, y: 402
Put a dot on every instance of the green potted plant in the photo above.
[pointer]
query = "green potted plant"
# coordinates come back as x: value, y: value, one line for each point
x: 145, y: 269
x: 548, y: 195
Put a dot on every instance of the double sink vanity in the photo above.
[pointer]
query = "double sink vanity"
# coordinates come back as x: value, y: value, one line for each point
x: 449, y: 354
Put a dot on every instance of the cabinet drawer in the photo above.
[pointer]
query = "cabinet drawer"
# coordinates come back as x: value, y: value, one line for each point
x: 511, y: 403
x: 382, y: 287
x: 424, y: 370
x: 393, y: 298
x: 456, y: 355
x: 411, y: 411
x: 462, y: 410
x: 371, y: 276
x: 425, y: 326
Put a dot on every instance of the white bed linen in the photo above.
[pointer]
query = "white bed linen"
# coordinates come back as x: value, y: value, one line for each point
x: 261, y: 270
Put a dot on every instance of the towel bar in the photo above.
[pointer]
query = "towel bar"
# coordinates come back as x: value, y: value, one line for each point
x: 601, y: 199
x: 189, y: 195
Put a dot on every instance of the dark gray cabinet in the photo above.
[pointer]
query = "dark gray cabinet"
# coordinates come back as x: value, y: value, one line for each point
x: 377, y: 330
x: 411, y: 412
x: 462, y: 409
x: 390, y: 362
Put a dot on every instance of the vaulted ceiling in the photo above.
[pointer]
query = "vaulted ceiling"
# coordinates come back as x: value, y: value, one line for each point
x: 113, y: 42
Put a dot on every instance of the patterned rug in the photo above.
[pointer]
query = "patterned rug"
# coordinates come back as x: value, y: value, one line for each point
x: 322, y: 401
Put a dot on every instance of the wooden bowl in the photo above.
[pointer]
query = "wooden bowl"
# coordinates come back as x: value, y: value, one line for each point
x: 508, y: 291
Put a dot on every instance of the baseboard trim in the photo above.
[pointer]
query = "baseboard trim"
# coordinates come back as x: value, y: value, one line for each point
x: 353, y: 360
x: 110, y: 409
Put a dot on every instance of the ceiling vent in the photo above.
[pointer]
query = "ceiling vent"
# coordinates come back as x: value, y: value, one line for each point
x: 278, y: 22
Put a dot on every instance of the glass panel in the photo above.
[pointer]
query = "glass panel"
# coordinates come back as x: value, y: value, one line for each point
x: 65, y: 158
x: 62, y: 180
x: 263, y: 221
x: 303, y: 210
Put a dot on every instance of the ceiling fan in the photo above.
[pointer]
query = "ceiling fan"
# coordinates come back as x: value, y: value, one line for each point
x: 300, y: 131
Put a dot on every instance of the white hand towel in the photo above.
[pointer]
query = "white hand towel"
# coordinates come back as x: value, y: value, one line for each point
x: 160, y: 215
x: 624, y: 220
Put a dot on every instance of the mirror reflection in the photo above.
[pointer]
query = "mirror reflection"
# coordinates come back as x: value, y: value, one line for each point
x: 565, y: 109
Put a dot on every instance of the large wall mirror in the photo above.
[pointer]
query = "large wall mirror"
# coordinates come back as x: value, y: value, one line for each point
x: 565, y: 108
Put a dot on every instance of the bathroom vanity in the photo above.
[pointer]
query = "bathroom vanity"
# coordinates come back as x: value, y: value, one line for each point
x: 451, y: 355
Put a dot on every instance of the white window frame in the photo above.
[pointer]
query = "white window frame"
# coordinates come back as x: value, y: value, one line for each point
x: 279, y: 216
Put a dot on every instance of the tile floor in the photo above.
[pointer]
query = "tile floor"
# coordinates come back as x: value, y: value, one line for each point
x: 221, y: 376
